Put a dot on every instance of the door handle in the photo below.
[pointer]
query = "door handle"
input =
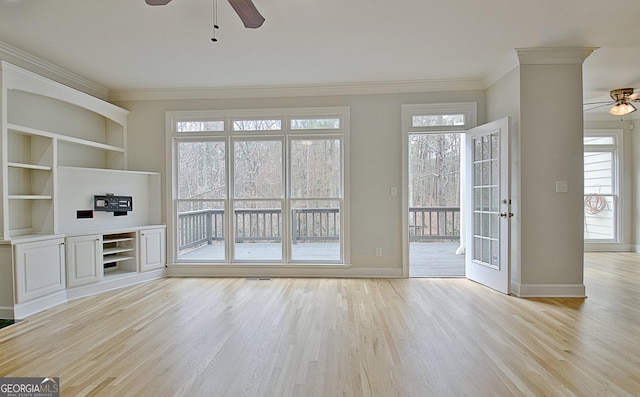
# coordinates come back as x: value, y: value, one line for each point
x: 506, y: 214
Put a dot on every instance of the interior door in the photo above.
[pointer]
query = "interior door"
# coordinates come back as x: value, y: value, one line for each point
x: 489, y: 205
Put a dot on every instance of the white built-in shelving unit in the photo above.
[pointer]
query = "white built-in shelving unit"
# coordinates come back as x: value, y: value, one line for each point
x: 45, y: 125
x: 58, y: 148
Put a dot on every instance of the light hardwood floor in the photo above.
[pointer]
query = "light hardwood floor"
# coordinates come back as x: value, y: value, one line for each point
x: 339, y: 337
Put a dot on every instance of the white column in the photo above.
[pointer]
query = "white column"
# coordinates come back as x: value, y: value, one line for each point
x: 550, y: 223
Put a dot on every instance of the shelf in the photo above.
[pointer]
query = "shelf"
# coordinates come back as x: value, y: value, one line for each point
x: 29, y: 166
x: 119, y: 252
x: 34, y: 131
x: 116, y: 250
x: 117, y: 240
x: 116, y: 258
x: 115, y: 272
x: 29, y: 197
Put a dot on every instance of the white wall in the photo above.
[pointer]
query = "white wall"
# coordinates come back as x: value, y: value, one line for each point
x: 503, y: 100
x: 375, y: 161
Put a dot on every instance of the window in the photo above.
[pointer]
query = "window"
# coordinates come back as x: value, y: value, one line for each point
x: 259, y: 188
x: 438, y: 120
x: 601, y: 184
x: 199, y: 126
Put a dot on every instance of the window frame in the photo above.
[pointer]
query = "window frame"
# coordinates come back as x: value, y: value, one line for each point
x: 617, y: 170
x: 470, y: 111
x: 230, y: 136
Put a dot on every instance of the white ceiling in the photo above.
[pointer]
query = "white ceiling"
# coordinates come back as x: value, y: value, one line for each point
x: 127, y: 45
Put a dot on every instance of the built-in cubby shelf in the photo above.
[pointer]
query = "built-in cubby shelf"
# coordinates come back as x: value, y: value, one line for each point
x: 28, y: 197
x: 119, y: 253
x: 29, y: 166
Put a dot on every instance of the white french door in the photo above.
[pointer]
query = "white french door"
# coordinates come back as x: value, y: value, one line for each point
x: 489, y: 205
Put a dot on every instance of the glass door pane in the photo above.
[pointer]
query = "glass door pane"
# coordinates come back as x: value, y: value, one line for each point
x: 315, y: 230
x: 202, y: 189
x: 257, y: 205
x: 315, y: 205
x: 258, y: 230
x: 486, y: 179
x: 201, y: 231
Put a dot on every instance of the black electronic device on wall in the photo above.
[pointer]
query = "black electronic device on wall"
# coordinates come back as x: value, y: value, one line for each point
x: 119, y: 205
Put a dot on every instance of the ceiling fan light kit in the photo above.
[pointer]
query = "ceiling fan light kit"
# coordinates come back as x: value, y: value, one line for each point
x: 621, y: 97
x: 621, y: 102
x: 621, y: 109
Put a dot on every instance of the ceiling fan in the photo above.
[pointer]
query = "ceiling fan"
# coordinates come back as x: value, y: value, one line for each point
x: 621, y: 101
x: 248, y: 13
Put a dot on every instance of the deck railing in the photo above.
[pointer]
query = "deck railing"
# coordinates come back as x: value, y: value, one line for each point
x: 308, y: 225
x: 315, y: 224
x: 198, y: 227
x: 258, y: 225
x: 434, y: 223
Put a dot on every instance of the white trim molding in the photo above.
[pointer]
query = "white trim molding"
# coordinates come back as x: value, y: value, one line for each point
x: 342, y: 89
x: 339, y: 271
x: 553, y: 55
x: 24, y: 310
x: 46, y: 69
x: 548, y: 290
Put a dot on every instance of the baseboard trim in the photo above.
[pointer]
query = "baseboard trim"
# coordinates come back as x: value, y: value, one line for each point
x: 115, y: 283
x: 6, y: 313
x: 337, y: 271
x: 548, y: 290
x: 23, y: 310
x: 608, y: 247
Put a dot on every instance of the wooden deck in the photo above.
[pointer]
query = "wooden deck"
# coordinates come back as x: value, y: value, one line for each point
x: 435, y: 259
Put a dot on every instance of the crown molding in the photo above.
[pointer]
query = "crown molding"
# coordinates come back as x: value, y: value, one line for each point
x: 46, y: 69
x: 401, y: 87
x: 553, y: 55
x: 506, y: 65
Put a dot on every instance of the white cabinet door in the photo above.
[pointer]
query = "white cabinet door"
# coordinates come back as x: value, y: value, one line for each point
x: 84, y: 260
x: 39, y: 268
x: 152, y: 249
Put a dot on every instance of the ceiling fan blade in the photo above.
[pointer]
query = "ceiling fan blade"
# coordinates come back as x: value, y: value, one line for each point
x: 597, y: 103
x: 157, y: 2
x: 598, y: 106
x: 248, y: 13
x: 634, y: 97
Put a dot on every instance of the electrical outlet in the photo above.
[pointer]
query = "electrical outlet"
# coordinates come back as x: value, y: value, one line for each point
x: 378, y: 251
